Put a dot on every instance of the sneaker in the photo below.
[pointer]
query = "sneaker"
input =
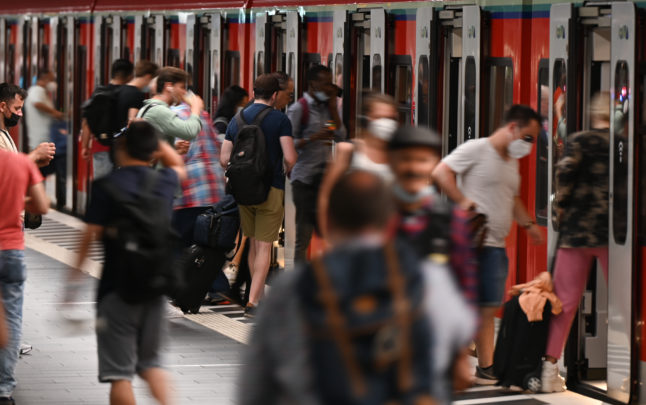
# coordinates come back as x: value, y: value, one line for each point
x: 231, y: 273
x: 24, y: 349
x: 551, y: 380
x: 485, y: 376
x: 7, y: 401
x: 250, y: 310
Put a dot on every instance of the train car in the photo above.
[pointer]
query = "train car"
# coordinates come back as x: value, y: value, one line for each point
x: 452, y: 66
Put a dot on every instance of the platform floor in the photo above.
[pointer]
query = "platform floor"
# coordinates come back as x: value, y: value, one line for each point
x: 203, y: 351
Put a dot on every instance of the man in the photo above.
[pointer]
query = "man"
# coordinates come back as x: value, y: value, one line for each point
x: 286, y: 93
x: 171, y: 90
x: 314, y: 127
x: 40, y: 120
x: 129, y: 335
x: 102, y: 161
x: 489, y: 184
x: 20, y: 177
x: 262, y: 222
x: 440, y: 236
x: 12, y: 99
x: 133, y: 94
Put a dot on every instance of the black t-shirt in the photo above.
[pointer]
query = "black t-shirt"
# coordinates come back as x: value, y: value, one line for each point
x: 102, y: 210
x: 129, y: 97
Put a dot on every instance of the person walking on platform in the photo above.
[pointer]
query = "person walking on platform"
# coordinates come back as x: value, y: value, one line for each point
x: 315, y: 126
x: 171, y: 90
x: 489, y: 184
x: 262, y: 222
x: 582, y: 177
x: 19, y: 177
x: 232, y: 101
x: 130, y: 321
x: 440, y: 235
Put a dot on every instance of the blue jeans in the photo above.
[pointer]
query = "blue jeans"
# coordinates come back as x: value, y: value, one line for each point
x: 12, y: 282
x: 101, y: 164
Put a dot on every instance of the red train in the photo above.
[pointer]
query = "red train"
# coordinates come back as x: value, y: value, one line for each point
x: 449, y: 66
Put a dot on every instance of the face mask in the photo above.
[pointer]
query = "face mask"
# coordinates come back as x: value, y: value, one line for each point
x: 52, y: 87
x: 518, y: 149
x: 11, y: 121
x: 408, y: 198
x: 321, y: 96
x: 383, y: 128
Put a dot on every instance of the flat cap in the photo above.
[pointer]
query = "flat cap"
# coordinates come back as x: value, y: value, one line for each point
x: 409, y: 136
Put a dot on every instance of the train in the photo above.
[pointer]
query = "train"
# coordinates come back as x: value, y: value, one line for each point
x: 454, y: 66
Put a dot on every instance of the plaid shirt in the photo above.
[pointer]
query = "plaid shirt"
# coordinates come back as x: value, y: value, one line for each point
x: 204, y: 184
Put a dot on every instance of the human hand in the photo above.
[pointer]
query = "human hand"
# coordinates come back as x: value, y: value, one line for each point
x: 467, y: 205
x: 182, y: 146
x: 196, y: 103
x: 536, y: 234
x: 44, y: 153
x: 59, y: 115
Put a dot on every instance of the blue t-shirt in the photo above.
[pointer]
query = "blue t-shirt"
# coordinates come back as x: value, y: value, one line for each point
x: 102, y: 210
x: 274, y: 126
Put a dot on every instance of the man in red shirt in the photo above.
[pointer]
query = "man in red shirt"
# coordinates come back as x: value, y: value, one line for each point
x: 20, y: 177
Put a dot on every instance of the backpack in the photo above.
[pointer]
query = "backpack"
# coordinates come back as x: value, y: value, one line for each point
x: 249, y: 172
x: 143, y: 242
x: 100, y: 111
x: 366, y: 329
x: 218, y: 226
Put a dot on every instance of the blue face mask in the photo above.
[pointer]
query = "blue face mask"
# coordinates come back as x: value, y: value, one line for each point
x: 321, y: 96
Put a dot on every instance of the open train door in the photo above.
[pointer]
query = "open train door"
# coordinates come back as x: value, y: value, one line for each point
x: 621, y: 238
x: 203, y: 50
x: 152, y: 41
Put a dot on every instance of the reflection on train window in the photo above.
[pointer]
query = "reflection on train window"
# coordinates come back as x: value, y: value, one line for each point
x: 172, y: 57
x: 501, y: 90
x: 231, y: 74
x: 291, y: 68
x: 401, y: 85
x: 470, y: 99
x: 620, y: 115
x: 542, y: 146
x: 330, y: 60
x: 338, y: 70
x: 422, y: 91
x: 376, y: 73
x: 260, y: 64
x: 558, y: 131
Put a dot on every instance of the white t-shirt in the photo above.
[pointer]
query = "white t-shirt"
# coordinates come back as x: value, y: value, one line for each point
x: 38, y: 123
x: 490, y: 181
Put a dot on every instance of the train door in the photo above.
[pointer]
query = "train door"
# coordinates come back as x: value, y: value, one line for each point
x: 107, y: 46
x: 592, y: 49
x: 203, y: 50
x: 426, y: 66
x: 339, y: 22
x: 454, y: 109
x: 153, y: 44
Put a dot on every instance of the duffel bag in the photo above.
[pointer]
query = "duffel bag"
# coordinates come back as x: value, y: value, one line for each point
x: 218, y: 226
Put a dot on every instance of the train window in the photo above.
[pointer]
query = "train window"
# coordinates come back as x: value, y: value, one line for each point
x: 470, y: 99
x: 172, y: 58
x: 44, y: 57
x: 423, y: 91
x: 376, y: 73
x: 231, y: 74
x: 260, y: 64
x: 501, y: 91
x: 11, y: 62
x: 329, y: 60
x: 338, y: 70
x: 620, y: 116
x: 559, y: 127
x: 291, y: 69
x: 400, y: 85
x: 542, y: 147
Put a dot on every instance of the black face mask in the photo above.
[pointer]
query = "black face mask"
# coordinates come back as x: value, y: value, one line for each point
x: 11, y: 121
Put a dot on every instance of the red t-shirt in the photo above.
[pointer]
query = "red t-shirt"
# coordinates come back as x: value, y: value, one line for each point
x: 18, y: 173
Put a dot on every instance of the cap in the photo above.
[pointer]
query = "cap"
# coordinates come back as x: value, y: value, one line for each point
x: 409, y: 136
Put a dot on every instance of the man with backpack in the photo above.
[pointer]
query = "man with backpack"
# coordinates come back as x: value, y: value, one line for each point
x: 315, y: 126
x: 349, y: 328
x: 101, y: 119
x: 257, y: 152
x: 130, y: 210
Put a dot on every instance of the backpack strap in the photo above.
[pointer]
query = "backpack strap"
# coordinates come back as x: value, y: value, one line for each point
x: 257, y: 121
x: 145, y: 110
x: 305, y: 115
x: 337, y: 323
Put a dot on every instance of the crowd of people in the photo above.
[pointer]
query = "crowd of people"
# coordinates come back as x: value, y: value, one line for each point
x: 409, y: 278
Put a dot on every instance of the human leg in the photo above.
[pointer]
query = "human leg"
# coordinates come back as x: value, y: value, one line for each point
x: 485, y: 337
x: 101, y: 164
x: 152, y: 330
x: 304, y: 202
x: 12, y: 280
x: 60, y: 167
x: 121, y: 393
x: 260, y: 269
x: 157, y: 380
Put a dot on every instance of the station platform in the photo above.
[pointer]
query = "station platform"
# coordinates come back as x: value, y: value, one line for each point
x: 203, y: 353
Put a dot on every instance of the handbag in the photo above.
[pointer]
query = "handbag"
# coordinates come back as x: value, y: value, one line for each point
x: 33, y: 221
x: 218, y: 226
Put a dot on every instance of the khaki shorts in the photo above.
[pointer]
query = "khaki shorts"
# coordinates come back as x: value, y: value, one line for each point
x: 262, y: 221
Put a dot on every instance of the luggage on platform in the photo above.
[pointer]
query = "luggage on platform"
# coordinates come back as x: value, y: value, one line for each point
x: 200, y: 266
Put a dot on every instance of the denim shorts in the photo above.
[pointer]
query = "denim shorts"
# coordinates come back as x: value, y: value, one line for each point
x: 492, y: 275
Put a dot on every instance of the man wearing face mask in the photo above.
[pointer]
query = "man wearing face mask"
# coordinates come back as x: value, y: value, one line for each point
x: 171, y: 90
x: 315, y: 125
x: 489, y: 184
x: 12, y: 99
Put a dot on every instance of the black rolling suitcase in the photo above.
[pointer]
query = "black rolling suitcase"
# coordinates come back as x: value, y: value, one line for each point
x: 520, y: 347
x: 201, y: 266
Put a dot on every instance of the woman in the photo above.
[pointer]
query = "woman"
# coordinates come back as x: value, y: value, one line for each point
x: 231, y: 101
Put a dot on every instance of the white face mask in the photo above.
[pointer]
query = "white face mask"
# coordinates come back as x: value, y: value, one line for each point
x: 321, y: 96
x: 51, y: 87
x: 518, y: 149
x: 383, y: 128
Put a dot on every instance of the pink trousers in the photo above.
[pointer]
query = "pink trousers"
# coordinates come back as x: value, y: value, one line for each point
x: 570, y: 276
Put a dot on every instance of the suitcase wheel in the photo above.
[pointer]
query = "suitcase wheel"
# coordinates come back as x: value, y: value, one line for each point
x: 194, y: 310
x: 532, y: 382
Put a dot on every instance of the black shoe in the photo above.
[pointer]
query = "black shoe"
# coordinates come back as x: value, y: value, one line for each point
x: 7, y: 401
x: 485, y: 376
x: 250, y: 311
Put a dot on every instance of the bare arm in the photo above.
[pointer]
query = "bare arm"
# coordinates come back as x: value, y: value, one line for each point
x: 42, y: 107
x: 43, y: 154
x: 86, y: 138
x: 169, y: 157
x: 445, y: 178
x: 92, y: 232
x: 289, y: 152
x: 523, y: 219
x: 37, y: 201
x: 225, y: 153
x: 132, y: 114
x: 334, y: 171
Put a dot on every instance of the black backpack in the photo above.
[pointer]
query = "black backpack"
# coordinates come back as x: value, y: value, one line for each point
x: 143, y: 242
x: 100, y: 111
x: 249, y: 172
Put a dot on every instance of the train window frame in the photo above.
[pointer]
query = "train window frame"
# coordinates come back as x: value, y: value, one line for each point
x: 559, y: 124
x: 376, y: 72
x: 173, y: 58
x: 423, y: 80
x: 492, y: 64
x: 542, y: 147
x: 470, y: 80
x: 396, y: 63
x: 231, y: 66
x: 622, y: 160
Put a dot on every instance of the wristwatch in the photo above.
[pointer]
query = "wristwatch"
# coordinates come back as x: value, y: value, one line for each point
x: 529, y: 224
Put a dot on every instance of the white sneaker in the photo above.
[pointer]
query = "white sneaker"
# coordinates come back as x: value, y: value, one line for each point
x: 230, y: 271
x: 551, y: 380
x: 25, y: 348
